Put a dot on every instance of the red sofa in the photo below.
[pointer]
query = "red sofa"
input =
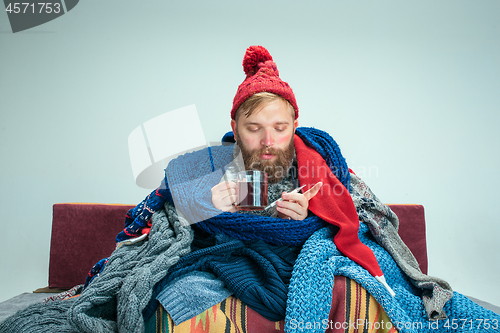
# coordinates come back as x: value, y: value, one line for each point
x: 84, y: 233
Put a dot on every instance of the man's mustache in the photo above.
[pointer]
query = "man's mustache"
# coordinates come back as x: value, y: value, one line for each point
x: 270, y: 151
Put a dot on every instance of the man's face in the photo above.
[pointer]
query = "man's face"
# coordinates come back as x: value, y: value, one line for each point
x: 266, y: 138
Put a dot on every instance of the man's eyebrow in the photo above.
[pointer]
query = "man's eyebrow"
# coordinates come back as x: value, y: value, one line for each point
x: 259, y: 124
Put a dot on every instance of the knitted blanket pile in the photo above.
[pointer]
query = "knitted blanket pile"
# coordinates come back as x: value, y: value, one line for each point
x: 418, y: 299
x: 114, y: 301
x: 258, y: 274
x: 383, y: 224
x: 116, y: 297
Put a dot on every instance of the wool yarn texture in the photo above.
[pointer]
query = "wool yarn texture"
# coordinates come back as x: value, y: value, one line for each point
x: 114, y: 301
x: 261, y: 76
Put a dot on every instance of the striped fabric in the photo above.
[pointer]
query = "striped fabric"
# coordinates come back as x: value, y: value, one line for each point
x: 231, y: 315
x: 353, y: 310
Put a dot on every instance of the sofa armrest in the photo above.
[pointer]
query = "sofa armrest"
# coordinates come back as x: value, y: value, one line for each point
x: 82, y: 234
x: 412, y: 231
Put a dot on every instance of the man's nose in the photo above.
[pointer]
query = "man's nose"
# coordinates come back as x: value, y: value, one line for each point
x: 268, y: 139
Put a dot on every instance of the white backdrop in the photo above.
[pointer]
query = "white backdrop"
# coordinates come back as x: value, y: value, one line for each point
x: 408, y: 89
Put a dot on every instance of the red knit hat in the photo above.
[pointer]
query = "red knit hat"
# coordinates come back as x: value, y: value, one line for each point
x: 262, y: 75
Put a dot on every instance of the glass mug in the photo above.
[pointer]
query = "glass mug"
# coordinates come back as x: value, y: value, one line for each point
x: 252, y: 190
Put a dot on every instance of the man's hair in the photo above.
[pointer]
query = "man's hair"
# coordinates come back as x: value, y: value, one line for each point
x: 253, y: 102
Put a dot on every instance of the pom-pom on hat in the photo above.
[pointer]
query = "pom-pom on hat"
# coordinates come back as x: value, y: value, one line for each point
x: 262, y: 75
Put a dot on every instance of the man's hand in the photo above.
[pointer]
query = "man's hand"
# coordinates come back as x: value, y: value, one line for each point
x: 224, y: 196
x: 295, y: 205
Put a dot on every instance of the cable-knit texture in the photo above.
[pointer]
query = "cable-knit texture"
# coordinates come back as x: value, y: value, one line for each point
x: 114, y: 301
x: 39, y: 318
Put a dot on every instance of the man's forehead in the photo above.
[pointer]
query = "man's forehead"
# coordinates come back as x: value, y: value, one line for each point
x: 273, y: 113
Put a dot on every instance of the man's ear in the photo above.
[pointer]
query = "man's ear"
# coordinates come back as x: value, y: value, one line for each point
x: 233, y: 127
x: 295, y: 125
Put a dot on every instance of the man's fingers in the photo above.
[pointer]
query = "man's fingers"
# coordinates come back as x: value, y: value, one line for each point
x: 228, y: 189
x: 224, y: 196
x: 229, y: 185
x: 313, y: 191
x: 291, y: 209
x: 223, y: 188
x: 293, y: 198
x: 231, y: 196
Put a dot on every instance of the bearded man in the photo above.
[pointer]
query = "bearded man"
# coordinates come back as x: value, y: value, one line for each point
x: 187, y: 261
x: 253, y: 254
x: 264, y: 127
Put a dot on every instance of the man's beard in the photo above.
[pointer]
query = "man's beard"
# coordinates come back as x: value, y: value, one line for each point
x: 276, y: 169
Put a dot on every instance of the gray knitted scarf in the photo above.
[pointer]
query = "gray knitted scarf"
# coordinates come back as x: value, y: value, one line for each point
x: 114, y: 301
